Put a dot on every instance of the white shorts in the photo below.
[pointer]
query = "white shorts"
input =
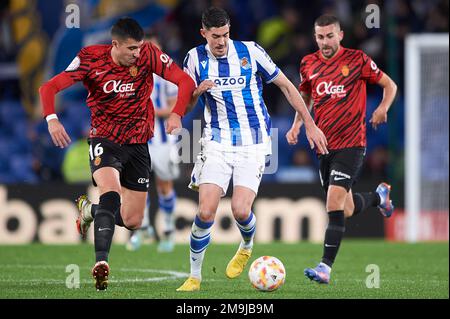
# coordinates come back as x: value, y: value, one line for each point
x: 217, y: 164
x: 165, y: 161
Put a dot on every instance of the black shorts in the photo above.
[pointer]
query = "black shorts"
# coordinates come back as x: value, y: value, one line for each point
x: 341, y: 167
x: 131, y: 160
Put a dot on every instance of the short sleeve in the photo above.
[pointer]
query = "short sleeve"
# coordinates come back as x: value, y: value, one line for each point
x: 265, y: 66
x: 305, y: 84
x: 190, y: 68
x: 370, y: 71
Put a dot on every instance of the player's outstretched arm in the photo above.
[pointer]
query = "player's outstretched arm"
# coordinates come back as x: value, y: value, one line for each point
x: 315, y: 136
x: 186, y: 87
x: 379, y: 116
x: 47, y: 94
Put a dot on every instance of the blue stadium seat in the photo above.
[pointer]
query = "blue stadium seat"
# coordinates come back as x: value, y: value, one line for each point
x: 21, y: 168
x: 6, y: 178
x: 10, y: 113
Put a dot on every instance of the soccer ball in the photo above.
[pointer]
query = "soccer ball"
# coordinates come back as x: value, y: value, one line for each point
x: 267, y: 273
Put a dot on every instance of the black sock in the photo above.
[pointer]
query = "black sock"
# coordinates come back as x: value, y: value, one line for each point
x: 117, y: 217
x: 363, y: 201
x: 333, y: 236
x: 104, y: 224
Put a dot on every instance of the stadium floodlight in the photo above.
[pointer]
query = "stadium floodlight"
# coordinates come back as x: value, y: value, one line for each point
x: 427, y: 129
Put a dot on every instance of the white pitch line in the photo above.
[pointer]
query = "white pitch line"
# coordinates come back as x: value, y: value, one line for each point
x: 170, y: 275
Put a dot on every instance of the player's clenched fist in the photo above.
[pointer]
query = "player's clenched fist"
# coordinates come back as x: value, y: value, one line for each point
x: 292, y: 135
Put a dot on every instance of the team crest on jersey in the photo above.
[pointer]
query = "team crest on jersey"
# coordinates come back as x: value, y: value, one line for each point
x: 245, y: 64
x: 97, y: 161
x: 133, y: 71
x: 345, y: 70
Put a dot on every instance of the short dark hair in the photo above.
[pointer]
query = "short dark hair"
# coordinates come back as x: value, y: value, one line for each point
x: 214, y: 17
x: 126, y: 28
x: 325, y: 20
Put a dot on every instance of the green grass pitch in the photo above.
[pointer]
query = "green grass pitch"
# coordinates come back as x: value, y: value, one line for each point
x: 405, y: 271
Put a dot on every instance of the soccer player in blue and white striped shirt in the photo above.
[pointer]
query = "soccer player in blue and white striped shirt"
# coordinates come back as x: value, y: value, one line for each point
x: 229, y: 76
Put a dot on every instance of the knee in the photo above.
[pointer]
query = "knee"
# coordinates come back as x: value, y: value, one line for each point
x: 110, y: 188
x: 206, y: 216
x: 240, y: 212
x: 331, y: 207
x: 348, y: 213
x: 110, y: 201
x: 334, y: 204
x: 133, y: 222
x: 165, y: 188
x: 206, y: 211
x: 349, y: 210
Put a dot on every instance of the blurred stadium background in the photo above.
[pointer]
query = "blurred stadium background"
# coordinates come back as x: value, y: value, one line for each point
x: 39, y: 182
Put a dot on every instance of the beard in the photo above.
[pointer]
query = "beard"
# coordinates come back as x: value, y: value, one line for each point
x: 330, y: 51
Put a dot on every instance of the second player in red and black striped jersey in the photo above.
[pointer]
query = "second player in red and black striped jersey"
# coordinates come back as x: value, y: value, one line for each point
x: 119, y: 96
x: 338, y: 88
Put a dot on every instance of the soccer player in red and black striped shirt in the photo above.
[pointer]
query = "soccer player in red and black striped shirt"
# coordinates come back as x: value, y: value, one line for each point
x: 119, y: 79
x: 334, y: 78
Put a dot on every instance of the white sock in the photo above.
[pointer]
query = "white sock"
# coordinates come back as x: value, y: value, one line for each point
x: 200, y: 239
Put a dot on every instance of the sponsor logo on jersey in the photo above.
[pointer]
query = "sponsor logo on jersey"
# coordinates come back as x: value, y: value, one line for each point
x: 228, y: 83
x: 117, y: 87
x: 329, y: 89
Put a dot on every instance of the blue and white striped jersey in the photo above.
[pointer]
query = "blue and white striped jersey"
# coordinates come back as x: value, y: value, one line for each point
x: 235, y: 112
x: 162, y: 90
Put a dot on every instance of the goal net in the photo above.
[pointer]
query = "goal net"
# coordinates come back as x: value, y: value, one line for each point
x: 427, y: 137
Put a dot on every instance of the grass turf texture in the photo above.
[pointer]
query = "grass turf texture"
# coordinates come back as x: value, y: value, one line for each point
x: 406, y: 271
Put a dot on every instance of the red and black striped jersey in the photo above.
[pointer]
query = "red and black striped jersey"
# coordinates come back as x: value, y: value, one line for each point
x: 119, y: 96
x: 337, y: 87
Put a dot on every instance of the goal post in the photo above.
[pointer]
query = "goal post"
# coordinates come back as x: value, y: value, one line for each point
x: 427, y: 131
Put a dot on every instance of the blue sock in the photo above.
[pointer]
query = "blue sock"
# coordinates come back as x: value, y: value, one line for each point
x: 247, y: 229
x: 167, y: 203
